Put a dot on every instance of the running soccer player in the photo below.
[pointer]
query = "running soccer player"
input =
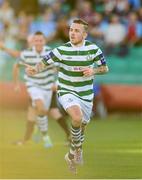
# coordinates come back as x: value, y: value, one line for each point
x: 39, y: 88
x: 77, y: 59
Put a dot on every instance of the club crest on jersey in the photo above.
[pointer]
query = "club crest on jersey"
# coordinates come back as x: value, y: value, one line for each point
x: 89, y: 57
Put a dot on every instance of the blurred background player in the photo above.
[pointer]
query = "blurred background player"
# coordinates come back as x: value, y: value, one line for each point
x: 39, y: 88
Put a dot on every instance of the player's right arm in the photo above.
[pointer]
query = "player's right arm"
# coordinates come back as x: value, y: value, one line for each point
x: 32, y: 70
x: 49, y: 59
x: 11, y: 52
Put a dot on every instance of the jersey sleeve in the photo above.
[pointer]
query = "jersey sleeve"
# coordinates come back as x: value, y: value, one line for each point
x: 99, y: 58
x: 52, y: 57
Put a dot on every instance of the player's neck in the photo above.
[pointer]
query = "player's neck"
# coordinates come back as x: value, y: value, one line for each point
x: 80, y: 44
x: 39, y: 50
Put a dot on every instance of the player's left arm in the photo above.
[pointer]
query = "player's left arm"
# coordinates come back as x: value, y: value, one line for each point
x: 101, y: 68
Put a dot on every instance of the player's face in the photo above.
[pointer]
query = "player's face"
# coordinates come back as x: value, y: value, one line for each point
x: 39, y: 42
x: 77, y: 34
x: 30, y: 41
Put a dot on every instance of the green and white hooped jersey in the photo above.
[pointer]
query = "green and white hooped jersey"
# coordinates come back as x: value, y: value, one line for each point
x: 71, y: 61
x: 44, y: 79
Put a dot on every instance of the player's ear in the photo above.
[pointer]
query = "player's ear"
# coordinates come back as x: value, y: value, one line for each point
x: 85, y: 34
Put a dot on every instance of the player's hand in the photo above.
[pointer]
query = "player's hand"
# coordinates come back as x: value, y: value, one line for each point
x: 88, y: 71
x: 31, y: 70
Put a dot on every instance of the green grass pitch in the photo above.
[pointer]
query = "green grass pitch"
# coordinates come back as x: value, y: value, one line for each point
x: 113, y: 149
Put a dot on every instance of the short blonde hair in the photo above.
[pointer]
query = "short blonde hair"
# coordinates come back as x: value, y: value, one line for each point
x: 81, y: 21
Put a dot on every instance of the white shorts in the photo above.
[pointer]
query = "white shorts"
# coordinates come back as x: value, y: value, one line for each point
x: 69, y: 100
x: 38, y: 93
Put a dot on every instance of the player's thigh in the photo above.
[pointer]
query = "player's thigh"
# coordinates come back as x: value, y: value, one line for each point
x: 72, y: 106
x: 36, y: 96
x: 86, y: 110
x: 41, y: 99
x: 44, y: 102
x: 39, y: 105
x: 47, y: 98
x: 75, y: 112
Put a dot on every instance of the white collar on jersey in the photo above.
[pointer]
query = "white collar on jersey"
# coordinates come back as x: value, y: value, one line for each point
x: 76, y: 47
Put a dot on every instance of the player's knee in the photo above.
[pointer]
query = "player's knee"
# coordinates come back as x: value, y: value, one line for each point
x: 31, y: 119
x: 77, y: 119
x: 41, y: 111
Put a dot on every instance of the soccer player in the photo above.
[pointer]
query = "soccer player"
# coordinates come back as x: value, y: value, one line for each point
x: 77, y: 59
x: 39, y: 88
